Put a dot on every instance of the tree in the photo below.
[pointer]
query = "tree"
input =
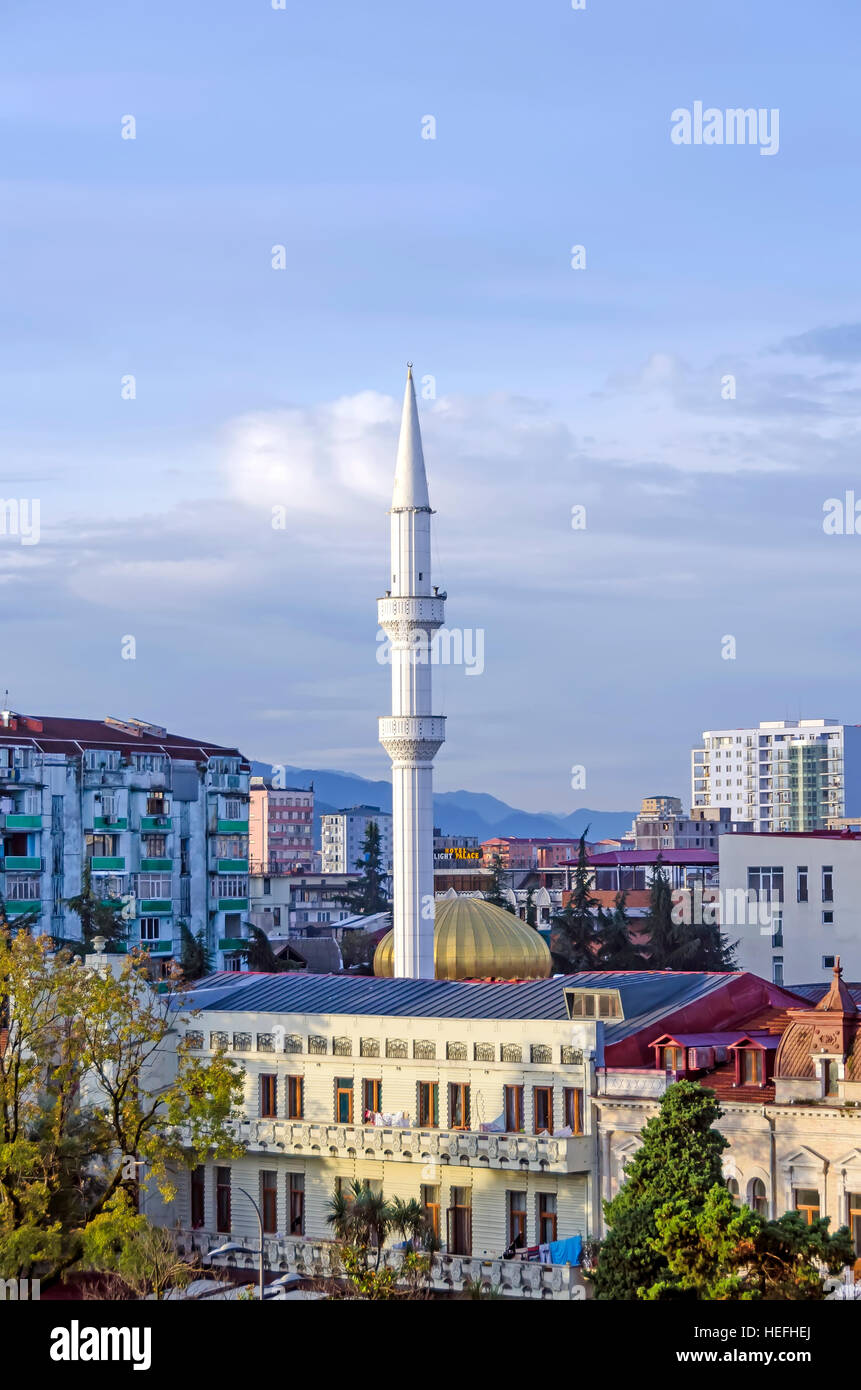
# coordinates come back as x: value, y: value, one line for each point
x: 616, y: 950
x: 98, y: 917
x: 144, y: 1257
x: 87, y: 1104
x: 496, y: 891
x: 720, y: 1250
x: 357, y: 950
x: 368, y: 897
x: 260, y: 955
x: 678, y: 945
x: 573, y: 935
x: 678, y: 1161
x: 677, y: 1233
x: 194, y: 957
x: 23, y: 921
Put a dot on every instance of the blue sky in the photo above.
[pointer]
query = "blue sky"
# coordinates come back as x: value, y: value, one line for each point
x: 554, y: 387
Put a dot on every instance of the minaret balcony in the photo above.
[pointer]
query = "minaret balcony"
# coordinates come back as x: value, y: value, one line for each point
x: 412, y: 736
x: 400, y: 616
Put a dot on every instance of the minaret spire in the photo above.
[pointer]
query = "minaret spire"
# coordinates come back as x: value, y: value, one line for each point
x: 409, y: 614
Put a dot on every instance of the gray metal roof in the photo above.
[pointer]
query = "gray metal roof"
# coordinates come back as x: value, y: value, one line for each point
x: 646, y: 995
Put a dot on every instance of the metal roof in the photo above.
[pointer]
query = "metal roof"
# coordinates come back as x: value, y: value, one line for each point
x: 646, y: 995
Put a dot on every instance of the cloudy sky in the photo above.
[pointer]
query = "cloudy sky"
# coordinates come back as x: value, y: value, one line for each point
x: 260, y: 388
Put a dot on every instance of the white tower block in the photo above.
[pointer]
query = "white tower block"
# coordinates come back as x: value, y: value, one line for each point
x: 409, y: 615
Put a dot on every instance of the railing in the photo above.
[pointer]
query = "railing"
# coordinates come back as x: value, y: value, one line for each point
x: 535, y: 1153
x: 632, y: 1083
x: 449, y: 1273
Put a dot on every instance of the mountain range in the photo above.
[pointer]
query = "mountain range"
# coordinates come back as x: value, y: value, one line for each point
x: 456, y: 813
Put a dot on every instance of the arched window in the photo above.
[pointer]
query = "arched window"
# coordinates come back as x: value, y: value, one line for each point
x: 732, y: 1185
x: 758, y: 1199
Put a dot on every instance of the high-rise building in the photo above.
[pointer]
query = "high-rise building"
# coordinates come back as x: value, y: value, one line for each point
x: 342, y: 837
x: 783, y: 775
x: 160, y: 820
x: 280, y: 828
x: 409, y: 614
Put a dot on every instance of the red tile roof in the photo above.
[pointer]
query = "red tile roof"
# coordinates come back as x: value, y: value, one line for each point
x: 73, y: 736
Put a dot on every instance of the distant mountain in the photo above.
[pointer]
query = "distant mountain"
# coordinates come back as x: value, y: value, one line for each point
x: 456, y: 813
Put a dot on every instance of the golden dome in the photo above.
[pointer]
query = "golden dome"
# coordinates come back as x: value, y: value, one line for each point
x: 475, y: 940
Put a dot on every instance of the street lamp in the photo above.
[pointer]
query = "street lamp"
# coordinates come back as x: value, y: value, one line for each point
x: 230, y: 1247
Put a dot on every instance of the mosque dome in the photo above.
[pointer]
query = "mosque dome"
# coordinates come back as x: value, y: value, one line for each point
x: 475, y: 940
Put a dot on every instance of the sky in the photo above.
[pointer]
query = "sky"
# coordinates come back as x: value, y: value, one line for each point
x: 693, y: 384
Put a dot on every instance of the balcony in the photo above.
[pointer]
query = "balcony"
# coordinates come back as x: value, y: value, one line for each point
x: 157, y: 866
x: 156, y: 823
x: 449, y: 1273
x: 110, y: 823
x: 107, y: 864
x: 154, y: 907
x: 15, y: 908
x: 232, y: 904
x: 13, y: 821
x: 231, y: 827
x: 233, y: 866
x: 512, y: 1152
x: 23, y: 861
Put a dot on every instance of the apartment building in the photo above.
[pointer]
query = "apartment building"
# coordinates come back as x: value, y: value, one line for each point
x: 792, y: 775
x: 280, y: 828
x: 298, y: 903
x: 343, y: 837
x: 670, y: 828
x: 160, y: 820
x: 514, y: 852
x: 809, y: 886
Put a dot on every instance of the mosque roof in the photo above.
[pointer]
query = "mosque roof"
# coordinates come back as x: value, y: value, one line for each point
x: 475, y: 939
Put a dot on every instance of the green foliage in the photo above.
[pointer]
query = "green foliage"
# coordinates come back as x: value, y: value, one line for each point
x: 616, y: 950
x: 357, y: 948
x: 87, y: 1103
x: 676, y: 945
x: 678, y: 1161
x: 573, y: 929
x: 368, y: 896
x: 260, y: 955
x: 121, y: 1241
x: 97, y: 918
x: 194, y: 957
x: 361, y: 1219
x: 676, y: 1232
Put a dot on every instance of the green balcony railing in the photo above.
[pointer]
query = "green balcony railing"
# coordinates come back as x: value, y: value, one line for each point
x: 157, y: 865
x: 107, y: 864
x: 156, y: 823
x: 233, y: 866
x: 110, y: 823
x: 153, y: 907
x: 232, y: 943
x: 232, y: 827
x: 14, y: 909
x: 18, y: 822
x: 232, y: 904
x: 22, y: 861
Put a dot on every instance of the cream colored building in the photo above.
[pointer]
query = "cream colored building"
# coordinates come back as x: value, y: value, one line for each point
x: 483, y: 1115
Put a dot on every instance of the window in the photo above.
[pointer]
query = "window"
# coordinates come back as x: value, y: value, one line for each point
x: 777, y: 929
x: 269, y: 1096
x: 542, y: 1109
x: 101, y: 846
x: 572, y: 1101
x: 157, y: 805
x: 751, y: 1066
x: 459, y: 1222
x: 766, y: 882
x: 94, y: 759
x: 513, y: 1096
x: 154, y: 886
x: 546, y: 1202
x: 854, y: 1204
x: 22, y: 887
x: 801, y: 883
x: 807, y: 1203
x: 827, y: 883
x: 830, y: 1078
x: 230, y: 886
x: 828, y: 918
x: 269, y: 1201
x: 777, y: 970
x: 672, y: 1058
x: 154, y: 846
x: 827, y: 962
x: 294, y: 1097
x: 344, y: 1100
x: 594, y: 1004
x: 232, y: 808
x: 732, y: 1189
x: 371, y: 1097
x: 150, y: 928
x: 458, y: 1107
x: 428, y: 1104
x: 296, y: 1203
x: 198, y: 1197
x: 516, y: 1218
x: 222, y: 1200
x: 758, y: 1198
x: 430, y: 1203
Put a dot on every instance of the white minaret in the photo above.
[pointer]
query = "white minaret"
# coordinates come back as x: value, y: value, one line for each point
x: 409, y: 615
